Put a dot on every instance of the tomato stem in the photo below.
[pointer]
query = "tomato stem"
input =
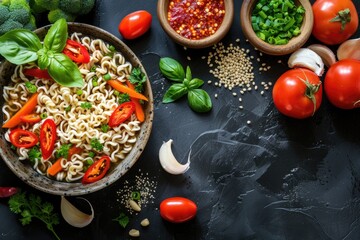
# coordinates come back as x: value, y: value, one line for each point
x: 310, y: 91
x: 344, y: 17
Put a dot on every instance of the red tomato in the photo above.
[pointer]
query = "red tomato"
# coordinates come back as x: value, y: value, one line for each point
x: 342, y: 84
x: 31, y: 118
x: 177, y: 209
x: 298, y: 93
x: 76, y: 52
x: 121, y: 114
x: 23, y: 138
x: 97, y: 170
x: 7, y: 191
x: 37, y: 72
x: 334, y: 20
x: 135, y: 24
x: 47, y: 138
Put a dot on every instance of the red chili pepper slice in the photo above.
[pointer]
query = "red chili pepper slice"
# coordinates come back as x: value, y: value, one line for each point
x: 121, y: 114
x: 97, y: 170
x: 37, y: 72
x: 23, y: 138
x: 77, y: 52
x: 31, y: 118
x: 73, y: 150
x: 47, y: 138
x: 7, y: 191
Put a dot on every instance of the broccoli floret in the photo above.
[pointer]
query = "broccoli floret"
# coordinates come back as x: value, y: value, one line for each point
x: 48, y: 4
x: 4, y: 13
x: 9, y: 25
x: 55, y: 15
x: 70, y: 6
x: 36, y: 8
x: 15, y: 14
x: 86, y: 6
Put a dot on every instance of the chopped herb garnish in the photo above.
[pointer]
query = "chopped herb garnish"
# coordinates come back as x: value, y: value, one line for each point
x: 107, y: 77
x: 123, y: 97
x: 68, y: 108
x: 79, y: 92
x: 91, y: 154
x: 86, y: 105
x: 63, y: 151
x: 112, y: 48
x: 93, y: 68
x: 31, y: 87
x: 137, y: 78
x: 94, y: 82
x: 95, y: 144
x: 122, y: 219
x: 34, y: 153
x: 13, y: 147
x: 105, y: 128
x: 89, y: 161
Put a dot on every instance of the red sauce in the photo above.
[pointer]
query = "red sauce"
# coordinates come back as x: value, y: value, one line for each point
x: 196, y: 19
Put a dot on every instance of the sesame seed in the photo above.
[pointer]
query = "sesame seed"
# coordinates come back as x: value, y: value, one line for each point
x: 248, y: 122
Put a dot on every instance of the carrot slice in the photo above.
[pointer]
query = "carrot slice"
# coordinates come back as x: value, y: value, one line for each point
x: 124, y: 89
x: 26, y: 109
x: 55, y: 168
x: 139, y: 112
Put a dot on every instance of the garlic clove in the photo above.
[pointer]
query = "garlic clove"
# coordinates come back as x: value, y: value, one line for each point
x: 349, y: 49
x: 169, y: 162
x: 307, y: 58
x: 74, y: 216
x: 326, y: 54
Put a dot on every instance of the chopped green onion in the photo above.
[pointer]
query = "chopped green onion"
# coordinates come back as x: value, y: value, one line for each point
x: 31, y: 87
x: 135, y: 195
x: 91, y: 154
x: 93, y: 68
x: 43, y: 115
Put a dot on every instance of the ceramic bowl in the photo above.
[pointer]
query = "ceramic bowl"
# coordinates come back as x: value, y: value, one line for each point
x: 162, y: 13
x: 26, y: 173
x: 294, y: 44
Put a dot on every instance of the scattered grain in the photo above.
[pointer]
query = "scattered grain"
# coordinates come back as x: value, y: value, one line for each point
x: 188, y: 58
x: 209, y: 82
x: 234, y: 94
x: 248, y: 122
x: 216, y: 95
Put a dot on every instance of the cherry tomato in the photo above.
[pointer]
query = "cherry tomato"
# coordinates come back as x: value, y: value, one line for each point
x: 177, y: 209
x: 334, y: 20
x: 7, y: 191
x: 47, y: 138
x: 23, y: 138
x: 76, y: 52
x: 298, y: 93
x: 121, y: 114
x: 342, y: 84
x: 135, y: 24
x: 97, y: 170
x: 31, y: 118
x: 37, y: 72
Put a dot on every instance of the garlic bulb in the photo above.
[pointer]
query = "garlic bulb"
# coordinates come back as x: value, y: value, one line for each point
x: 307, y: 58
x: 326, y: 54
x: 169, y: 162
x: 74, y: 216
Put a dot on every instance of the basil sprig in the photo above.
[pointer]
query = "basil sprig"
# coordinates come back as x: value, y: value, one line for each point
x: 22, y: 46
x: 198, y: 99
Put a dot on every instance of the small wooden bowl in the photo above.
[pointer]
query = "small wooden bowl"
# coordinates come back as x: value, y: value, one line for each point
x: 294, y: 44
x: 162, y: 13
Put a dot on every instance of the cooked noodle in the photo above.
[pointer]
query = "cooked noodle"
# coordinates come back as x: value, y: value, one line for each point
x: 77, y: 126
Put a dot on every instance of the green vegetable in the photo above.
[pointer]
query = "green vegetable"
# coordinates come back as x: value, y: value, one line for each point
x: 105, y: 128
x: 86, y: 105
x: 34, y: 154
x: 92, y: 155
x: 95, y: 144
x: 123, y: 97
x: 23, y: 46
x: 15, y: 14
x: 63, y: 151
x: 31, y: 87
x: 135, y: 195
x: 43, y: 115
x: 277, y: 21
x: 32, y: 206
x: 198, y: 99
x: 137, y: 78
x: 79, y: 92
x: 107, y: 77
x: 122, y: 219
x: 68, y: 108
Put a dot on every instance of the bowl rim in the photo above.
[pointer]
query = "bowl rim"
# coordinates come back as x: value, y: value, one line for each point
x: 162, y: 8
x: 294, y: 43
x: 27, y: 174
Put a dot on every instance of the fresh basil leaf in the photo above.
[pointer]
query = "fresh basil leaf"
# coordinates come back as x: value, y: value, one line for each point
x: 188, y: 73
x: 20, y: 46
x: 172, y: 69
x: 176, y: 91
x: 43, y: 58
x: 55, y: 39
x: 195, y: 83
x: 64, y: 71
x: 199, y: 100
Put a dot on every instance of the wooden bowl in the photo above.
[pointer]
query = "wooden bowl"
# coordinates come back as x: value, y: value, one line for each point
x: 162, y: 13
x: 294, y: 44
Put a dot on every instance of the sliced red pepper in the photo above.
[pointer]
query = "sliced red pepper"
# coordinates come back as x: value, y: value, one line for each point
x: 7, y: 191
x: 37, y: 72
x: 97, y: 170
x: 23, y: 138
x: 76, y: 52
x: 73, y: 150
x: 121, y: 114
x: 31, y: 118
x: 47, y: 138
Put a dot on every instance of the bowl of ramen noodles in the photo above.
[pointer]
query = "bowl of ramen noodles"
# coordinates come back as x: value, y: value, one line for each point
x: 76, y: 117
